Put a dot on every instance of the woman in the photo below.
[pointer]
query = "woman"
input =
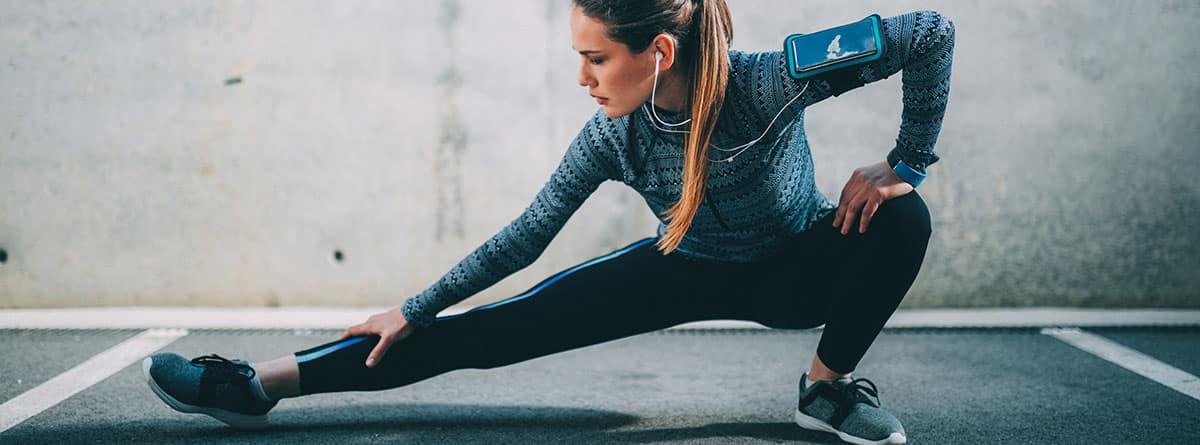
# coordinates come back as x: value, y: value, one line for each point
x: 695, y: 128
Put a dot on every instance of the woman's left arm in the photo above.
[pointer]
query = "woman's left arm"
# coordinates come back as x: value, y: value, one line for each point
x: 927, y: 40
x: 925, y: 84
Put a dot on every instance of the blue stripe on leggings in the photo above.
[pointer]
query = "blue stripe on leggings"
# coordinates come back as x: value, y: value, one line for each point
x: 328, y: 350
x: 556, y: 277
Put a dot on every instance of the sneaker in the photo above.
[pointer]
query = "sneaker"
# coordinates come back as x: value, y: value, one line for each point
x: 209, y: 384
x: 843, y: 408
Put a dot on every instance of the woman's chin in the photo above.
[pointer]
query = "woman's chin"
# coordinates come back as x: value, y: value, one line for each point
x: 613, y: 112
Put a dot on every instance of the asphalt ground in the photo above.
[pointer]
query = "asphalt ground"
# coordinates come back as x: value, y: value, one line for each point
x: 952, y: 386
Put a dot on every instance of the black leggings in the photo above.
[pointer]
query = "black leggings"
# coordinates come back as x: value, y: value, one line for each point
x: 850, y: 283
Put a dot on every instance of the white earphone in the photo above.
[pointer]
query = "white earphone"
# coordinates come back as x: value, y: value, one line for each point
x: 658, y: 55
x: 657, y: 120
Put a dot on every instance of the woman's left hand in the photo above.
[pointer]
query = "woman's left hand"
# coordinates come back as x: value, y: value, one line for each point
x: 867, y: 188
x: 390, y: 326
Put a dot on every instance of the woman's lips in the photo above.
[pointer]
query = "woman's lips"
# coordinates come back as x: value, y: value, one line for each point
x: 601, y: 100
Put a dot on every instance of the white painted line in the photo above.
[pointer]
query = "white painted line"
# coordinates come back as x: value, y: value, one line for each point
x: 84, y: 375
x: 1043, y: 317
x: 342, y: 317
x: 186, y: 317
x: 719, y: 324
x: 1127, y: 358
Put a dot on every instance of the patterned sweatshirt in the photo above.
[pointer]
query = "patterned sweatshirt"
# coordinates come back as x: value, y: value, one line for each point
x: 753, y: 202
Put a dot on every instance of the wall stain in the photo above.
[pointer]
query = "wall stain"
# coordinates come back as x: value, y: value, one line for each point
x: 452, y: 136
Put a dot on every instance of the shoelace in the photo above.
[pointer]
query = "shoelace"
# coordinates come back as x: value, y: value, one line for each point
x: 854, y: 393
x: 844, y: 395
x: 224, y: 368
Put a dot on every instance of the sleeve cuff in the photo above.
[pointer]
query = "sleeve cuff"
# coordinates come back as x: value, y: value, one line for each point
x: 413, y: 316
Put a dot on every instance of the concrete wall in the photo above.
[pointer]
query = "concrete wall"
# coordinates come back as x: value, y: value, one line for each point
x: 220, y: 153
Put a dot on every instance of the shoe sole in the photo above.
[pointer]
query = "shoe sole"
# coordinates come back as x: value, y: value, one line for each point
x: 236, y: 420
x: 812, y: 423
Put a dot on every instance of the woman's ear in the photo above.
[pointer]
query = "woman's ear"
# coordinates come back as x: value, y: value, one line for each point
x: 664, y: 44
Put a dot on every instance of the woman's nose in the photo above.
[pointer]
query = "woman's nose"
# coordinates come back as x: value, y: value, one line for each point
x: 584, y: 79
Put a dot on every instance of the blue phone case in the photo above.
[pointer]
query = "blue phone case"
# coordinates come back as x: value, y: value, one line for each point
x: 797, y: 42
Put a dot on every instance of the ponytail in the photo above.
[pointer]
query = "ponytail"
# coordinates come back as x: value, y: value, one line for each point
x: 712, y: 33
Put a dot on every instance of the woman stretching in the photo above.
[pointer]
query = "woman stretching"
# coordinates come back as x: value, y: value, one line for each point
x: 721, y: 156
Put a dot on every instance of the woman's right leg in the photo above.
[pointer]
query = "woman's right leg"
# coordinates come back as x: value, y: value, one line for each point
x: 630, y: 291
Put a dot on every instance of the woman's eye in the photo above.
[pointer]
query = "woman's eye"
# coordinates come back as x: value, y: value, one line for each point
x: 596, y: 61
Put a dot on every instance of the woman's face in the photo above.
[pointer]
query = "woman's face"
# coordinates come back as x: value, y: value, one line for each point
x: 619, y: 80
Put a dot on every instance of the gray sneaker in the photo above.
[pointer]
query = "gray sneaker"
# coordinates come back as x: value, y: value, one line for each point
x: 843, y: 408
x: 209, y: 384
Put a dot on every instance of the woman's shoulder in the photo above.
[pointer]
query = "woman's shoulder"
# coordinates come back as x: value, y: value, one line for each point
x: 751, y: 72
x: 744, y: 62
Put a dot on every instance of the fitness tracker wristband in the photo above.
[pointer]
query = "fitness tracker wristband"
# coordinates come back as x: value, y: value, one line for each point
x: 905, y: 171
x: 908, y: 174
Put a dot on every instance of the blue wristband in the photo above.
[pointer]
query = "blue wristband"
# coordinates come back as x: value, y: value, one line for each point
x: 908, y: 174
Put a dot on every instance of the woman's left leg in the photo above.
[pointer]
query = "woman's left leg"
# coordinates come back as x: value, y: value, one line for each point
x: 853, y: 284
x: 872, y: 274
x: 850, y: 283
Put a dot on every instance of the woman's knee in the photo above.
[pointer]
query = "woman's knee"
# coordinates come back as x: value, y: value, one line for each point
x: 906, y: 214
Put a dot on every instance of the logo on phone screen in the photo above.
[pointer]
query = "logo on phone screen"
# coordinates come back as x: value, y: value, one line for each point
x: 834, y: 50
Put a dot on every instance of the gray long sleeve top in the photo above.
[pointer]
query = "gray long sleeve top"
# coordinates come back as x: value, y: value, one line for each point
x: 764, y: 195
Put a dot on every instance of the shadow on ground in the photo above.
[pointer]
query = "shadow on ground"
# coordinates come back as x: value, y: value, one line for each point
x: 430, y: 423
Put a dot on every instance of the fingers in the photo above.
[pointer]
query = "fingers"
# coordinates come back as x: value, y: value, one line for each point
x: 862, y: 196
x: 389, y: 326
x: 862, y: 208
x: 845, y: 213
x: 351, y: 331
x: 851, y: 213
x: 385, y: 342
x: 848, y: 205
x: 867, y: 214
x: 843, y: 201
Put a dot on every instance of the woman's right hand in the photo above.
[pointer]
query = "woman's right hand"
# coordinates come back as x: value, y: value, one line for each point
x: 390, y: 326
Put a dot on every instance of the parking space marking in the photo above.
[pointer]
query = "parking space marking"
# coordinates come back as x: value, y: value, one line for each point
x: 84, y: 375
x: 1130, y: 359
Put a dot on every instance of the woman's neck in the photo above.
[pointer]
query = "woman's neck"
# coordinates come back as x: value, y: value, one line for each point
x: 672, y: 92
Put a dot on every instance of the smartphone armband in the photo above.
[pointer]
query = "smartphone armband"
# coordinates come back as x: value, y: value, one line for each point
x: 828, y: 53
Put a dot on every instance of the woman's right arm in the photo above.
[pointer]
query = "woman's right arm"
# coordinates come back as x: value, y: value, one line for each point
x: 588, y: 162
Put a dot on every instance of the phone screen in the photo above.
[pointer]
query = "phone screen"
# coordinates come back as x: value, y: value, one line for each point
x: 833, y: 45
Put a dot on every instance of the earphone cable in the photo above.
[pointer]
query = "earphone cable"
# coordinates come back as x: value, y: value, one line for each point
x: 655, y: 120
